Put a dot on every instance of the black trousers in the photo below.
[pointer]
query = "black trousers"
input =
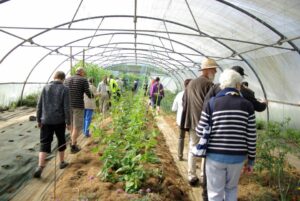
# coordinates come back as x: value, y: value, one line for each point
x: 46, y: 137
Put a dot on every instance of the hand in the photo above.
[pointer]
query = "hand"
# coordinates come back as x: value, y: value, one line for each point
x: 265, y: 101
x: 40, y: 125
x: 248, y: 169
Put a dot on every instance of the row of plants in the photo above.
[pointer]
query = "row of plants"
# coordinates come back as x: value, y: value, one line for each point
x: 167, y: 101
x: 97, y: 73
x: 275, y: 142
x: 130, y: 148
x: 29, y: 101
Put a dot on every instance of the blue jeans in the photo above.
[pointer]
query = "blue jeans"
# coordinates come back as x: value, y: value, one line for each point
x: 222, y: 180
x: 88, y: 115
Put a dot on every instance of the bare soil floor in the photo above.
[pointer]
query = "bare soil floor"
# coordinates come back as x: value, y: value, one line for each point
x: 256, y: 186
x: 80, y: 182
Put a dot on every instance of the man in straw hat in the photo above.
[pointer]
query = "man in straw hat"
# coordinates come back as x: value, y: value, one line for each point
x: 192, y: 106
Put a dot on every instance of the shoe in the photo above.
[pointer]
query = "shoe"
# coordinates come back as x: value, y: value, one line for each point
x: 63, y: 164
x: 38, y: 171
x: 74, y: 149
x: 180, y: 158
x: 194, y: 181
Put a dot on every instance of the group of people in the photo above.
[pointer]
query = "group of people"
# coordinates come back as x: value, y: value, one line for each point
x: 231, y: 106
x: 70, y: 103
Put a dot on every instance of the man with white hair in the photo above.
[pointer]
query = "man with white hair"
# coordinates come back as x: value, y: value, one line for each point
x: 232, y: 139
x: 78, y: 86
x: 193, y: 100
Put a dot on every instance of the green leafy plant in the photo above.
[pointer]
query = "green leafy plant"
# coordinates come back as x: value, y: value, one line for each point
x: 260, y: 124
x: 167, y: 101
x: 272, y: 150
x: 131, y: 144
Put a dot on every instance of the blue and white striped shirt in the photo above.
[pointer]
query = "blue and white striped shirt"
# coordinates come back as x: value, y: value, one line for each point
x: 233, y: 126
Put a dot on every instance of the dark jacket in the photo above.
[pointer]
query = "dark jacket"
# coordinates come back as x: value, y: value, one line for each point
x: 53, y: 106
x: 246, y: 93
x: 193, y: 99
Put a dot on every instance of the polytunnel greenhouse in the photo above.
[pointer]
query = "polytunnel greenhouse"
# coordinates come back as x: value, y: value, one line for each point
x: 131, y: 149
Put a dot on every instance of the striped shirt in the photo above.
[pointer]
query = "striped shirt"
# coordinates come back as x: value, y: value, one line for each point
x: 233, y: 126
x: 77, y: 85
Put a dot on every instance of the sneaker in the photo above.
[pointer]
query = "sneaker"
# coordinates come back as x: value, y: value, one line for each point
x: 180, y: 158
x: 38, y: 171
x: 194, y: 181
x: 63, y: 164
x: 74, y: 149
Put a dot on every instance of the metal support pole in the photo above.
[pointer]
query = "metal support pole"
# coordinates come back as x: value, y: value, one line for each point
x: 71, y: 59
x: 83, y: 58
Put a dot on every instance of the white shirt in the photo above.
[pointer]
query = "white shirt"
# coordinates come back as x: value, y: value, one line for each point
x: 177, y: 106
x: 89, y: 103
x: 103, y: 88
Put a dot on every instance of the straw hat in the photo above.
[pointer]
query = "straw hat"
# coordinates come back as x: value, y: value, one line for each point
x: 208, y: 63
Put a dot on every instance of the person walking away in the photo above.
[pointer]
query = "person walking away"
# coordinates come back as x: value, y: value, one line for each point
x: 177, y: 106
x: 135, y: 86
x: 120, y: 85
x: 113, y: 87
x: 89, y: 107
x: 245, y: 91
x: 53, y: 116
x: 103, y: 90
x: 232, y: 139
x: 150, y: 91
x: 157, y: 95
x: 78, y: 86
x: 193, y: 100
x: 145, y: 87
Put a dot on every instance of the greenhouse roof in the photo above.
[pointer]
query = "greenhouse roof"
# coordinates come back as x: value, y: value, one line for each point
x: 40, y: 37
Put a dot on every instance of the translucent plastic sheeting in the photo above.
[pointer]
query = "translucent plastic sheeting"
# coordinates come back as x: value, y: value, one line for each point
x: 17, y: 67
x: 261, y: 36
x: 277, y: 73
x: 282, y: 112
x: 111, y: 7
x: 282, y: 14
x: 36, y: 13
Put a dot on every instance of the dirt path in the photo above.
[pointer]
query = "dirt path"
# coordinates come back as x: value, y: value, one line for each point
x: 171, y: 137
x: 38, y: 189
x: 75, y: 181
